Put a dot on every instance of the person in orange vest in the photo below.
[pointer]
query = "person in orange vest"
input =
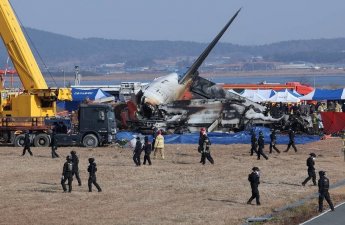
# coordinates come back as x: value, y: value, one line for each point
x: 159, y: 145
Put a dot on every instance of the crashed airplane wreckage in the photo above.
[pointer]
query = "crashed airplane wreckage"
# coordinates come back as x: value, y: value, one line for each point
x: 159, y: 104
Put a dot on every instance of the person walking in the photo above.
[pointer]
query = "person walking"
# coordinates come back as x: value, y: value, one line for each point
x: 53, y: 145
x: 254, y: 143
x: 311, y: 169
x: 75, y: 161
x: 67, y: 174
x: 137, y: 152
x: 27, y: 143
x: 205, y: 150
x: 323, y: 184
x: 261, y: 144
x: 92, y: 169
x: 291, y: 141
x: 147, y: 148
x: 273, y: 142
x: 254, y: 179
x: 159, y: 145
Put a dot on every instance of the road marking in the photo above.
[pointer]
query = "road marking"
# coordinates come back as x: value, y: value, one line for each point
x: 320, y: 214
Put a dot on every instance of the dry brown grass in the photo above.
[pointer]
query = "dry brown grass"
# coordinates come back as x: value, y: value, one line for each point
x: 177, y: 190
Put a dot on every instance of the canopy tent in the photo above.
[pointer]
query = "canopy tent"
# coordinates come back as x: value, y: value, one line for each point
x: 293, y: 92
x: 257, y: 95
x: 263, y: 93
x: 79, y: 95
x: 284, y: 96
x: 254, y: 97
x: 325, y: 94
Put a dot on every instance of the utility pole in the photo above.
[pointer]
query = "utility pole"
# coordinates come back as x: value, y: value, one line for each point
x: 64, y: 78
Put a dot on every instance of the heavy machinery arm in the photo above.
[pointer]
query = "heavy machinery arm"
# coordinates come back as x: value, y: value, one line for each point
x: 19, y: 50
x: 37, y: 99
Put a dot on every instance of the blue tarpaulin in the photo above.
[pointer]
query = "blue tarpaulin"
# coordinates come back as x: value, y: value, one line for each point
x: 223, y: 138
x: 324, y: 94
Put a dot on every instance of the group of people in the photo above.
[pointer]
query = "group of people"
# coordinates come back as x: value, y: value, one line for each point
x: 71, y: 168
x: 157, y: 146
x: 258, y: 144
x: 323, y: 182
x: 53, y: 144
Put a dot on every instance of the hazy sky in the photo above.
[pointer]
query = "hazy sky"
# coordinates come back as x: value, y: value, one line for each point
x: 260, y: 21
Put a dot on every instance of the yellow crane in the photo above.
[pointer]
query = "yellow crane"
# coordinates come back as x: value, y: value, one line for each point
x: 36, y: 100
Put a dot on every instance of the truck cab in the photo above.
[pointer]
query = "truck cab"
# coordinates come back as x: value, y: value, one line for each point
x: 96, y: 126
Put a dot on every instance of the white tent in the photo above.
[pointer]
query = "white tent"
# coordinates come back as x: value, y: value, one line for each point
x: 253, y: 95
x: 285, y: 96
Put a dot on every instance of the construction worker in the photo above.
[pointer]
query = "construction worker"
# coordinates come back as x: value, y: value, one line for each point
x: 147, y: 149
x: 273, y: 138
x: 67, y: 174
x: 75, y: 161
x: 53, y: 145
x: 291, y: 141
x: 137, y: 152
x: 254, y: 143
x: 254, y: 179
x: 92, y: 169
x: 323, y: 184
x: 311, y: 169
x: 261, y: 144
x: 159, y: 145
x: 205, y: 150
x: 27, y: 143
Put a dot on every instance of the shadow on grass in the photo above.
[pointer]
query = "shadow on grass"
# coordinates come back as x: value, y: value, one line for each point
x: 232, y: 202
x: 182, y: 162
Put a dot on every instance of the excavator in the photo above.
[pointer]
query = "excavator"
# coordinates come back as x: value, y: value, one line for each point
x: 27, y: 110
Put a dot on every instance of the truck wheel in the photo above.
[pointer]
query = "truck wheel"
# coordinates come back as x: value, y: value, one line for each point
x: 19, y: 140
x: 90, y: 140
x: 41, y: 140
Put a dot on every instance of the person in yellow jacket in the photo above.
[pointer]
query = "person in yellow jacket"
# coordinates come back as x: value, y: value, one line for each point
x: 159, y: 145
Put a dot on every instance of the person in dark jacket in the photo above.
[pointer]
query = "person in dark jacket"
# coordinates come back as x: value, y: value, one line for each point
x: 67, y: 174
x: 147, y: 148
x: 323, y: 184
x: 27, y: 143
x: 205, y: 151
x: 92, y: 169
x: 261, y: 144
x: 254, y: 179
x: 53, y: 145
x: 75, y: 161
x: 273, y: 142
x: 311, y: 169
x: 137, y: 152
x: 291, y: 141
x: 254, y: 143
x: 154, y: 135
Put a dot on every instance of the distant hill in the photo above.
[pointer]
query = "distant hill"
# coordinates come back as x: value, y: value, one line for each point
x: 63, y: 51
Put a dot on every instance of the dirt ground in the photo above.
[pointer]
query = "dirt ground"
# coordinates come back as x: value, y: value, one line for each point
x: 177, y: 190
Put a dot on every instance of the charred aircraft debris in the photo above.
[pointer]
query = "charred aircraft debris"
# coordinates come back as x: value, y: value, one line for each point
x: 159, y: 104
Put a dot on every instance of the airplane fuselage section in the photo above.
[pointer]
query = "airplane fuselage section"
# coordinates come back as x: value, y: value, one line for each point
x: 163, y: 90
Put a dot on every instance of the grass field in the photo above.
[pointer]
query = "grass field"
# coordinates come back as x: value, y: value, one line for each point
x: 177, y: 190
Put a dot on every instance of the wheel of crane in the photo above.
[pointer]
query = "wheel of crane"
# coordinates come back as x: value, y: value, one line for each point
x: 42, y: 140
x: 19, y: 140
x: 90, y: 140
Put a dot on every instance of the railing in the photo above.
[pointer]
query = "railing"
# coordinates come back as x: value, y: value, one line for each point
x: 22, y: 122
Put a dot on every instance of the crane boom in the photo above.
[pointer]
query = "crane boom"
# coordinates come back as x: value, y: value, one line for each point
x: 19, y: 50
x: 37, y: 100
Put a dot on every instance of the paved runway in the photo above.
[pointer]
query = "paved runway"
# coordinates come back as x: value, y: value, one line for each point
x: 336, y: 217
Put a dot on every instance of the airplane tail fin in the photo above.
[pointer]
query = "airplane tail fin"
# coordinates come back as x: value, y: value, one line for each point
x: 194, y: 68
